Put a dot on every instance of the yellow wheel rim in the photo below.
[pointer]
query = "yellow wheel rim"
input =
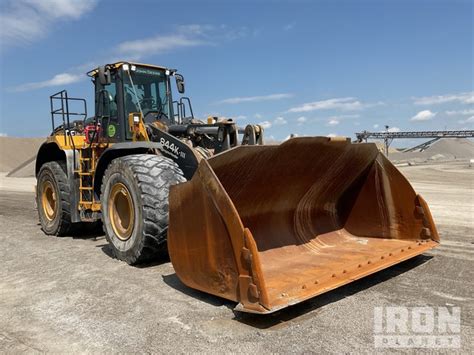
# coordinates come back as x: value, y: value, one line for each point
x: 121, y: 211
x: 49, y: 200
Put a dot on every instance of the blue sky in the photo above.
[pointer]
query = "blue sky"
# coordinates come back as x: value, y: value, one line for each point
x: 304, y: 67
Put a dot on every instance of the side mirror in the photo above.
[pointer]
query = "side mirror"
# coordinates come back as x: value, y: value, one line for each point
x: 180, y: 83
x: 104, y: 76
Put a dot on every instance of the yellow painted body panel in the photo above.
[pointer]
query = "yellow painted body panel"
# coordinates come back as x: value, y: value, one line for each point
x: 68, y: 142
x: 71, y: 142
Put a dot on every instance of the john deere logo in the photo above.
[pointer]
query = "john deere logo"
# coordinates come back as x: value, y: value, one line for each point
x: 111, y: 130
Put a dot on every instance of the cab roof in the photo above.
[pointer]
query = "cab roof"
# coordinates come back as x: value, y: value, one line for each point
x: 117, y: 65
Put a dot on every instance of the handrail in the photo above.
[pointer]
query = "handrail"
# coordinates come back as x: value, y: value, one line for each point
x: 63, y: 111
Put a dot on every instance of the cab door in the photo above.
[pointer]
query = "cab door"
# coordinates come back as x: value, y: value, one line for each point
x: 108, y: 112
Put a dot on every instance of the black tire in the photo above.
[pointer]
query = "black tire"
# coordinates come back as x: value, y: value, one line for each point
x: 146, y: 179
x: 52, y: 177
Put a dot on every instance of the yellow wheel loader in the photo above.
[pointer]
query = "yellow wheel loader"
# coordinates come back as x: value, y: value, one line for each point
x: 264, y: 226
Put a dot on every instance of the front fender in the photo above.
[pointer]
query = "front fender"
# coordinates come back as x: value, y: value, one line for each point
x: 168, y: 145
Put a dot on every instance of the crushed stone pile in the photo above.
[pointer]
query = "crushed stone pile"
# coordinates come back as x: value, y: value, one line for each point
x: 26, y: 169
x: 442, y: 150
x: 15, y: 152
x: 381, y: 147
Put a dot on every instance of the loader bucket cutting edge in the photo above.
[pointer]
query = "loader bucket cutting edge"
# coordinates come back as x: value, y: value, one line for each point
x: 271, y: 226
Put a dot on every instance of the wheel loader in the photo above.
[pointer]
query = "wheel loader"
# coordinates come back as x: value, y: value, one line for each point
x: 266, y: 226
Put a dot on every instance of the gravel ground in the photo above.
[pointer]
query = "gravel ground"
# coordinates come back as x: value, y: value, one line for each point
x: 68, y: 294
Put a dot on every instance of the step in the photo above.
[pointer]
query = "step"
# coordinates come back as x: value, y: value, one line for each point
x: 80, y: 172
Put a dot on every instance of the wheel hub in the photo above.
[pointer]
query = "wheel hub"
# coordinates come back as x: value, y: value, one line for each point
x: 49, y: 200
x: 121, y: 211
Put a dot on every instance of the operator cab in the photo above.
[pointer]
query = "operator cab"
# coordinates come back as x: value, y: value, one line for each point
x: 133, y: 102
x: 124, y: 88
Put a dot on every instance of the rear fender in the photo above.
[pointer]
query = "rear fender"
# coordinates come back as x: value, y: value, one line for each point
x: 52, y: 152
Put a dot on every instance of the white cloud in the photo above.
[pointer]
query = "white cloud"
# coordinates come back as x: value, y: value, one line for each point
x: 301, y: 119
x: 184, y: 36
x: 376, y: 125
x: 344, y: 103
x: 460, y: 112
x: 336, y: 120
x: 238, y: 100
x: 331, y: 135
x: 463, y: 97
x: 394, y: 129
x: 265, y: 124
x: 289, y: 27
x: 258, y: 116
x: 342, y: 117
x: 196, y: 29
x: 280, y: 121
x: 24, y: 21
x: 3, y: 134
x: 467, y: 120
x: 424, y: 115
x: 57, y: 80
x: 241, y: 117
x: 137, y: 49
x: 226, y: 33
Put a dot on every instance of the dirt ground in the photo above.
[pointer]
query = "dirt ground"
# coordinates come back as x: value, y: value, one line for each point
x: 68, y: 294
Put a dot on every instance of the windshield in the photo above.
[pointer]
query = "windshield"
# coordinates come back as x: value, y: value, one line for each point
x: 145, y: 90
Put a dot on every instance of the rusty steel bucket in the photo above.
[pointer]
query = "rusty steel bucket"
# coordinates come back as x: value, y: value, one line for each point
x: 271, y: 226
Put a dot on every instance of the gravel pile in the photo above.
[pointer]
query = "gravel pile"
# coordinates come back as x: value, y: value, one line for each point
x: 442, y: 150
x: 16, y: 151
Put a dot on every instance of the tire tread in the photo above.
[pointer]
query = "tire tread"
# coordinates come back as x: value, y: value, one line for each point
x: 58, y: 172
x: 153, y: 174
